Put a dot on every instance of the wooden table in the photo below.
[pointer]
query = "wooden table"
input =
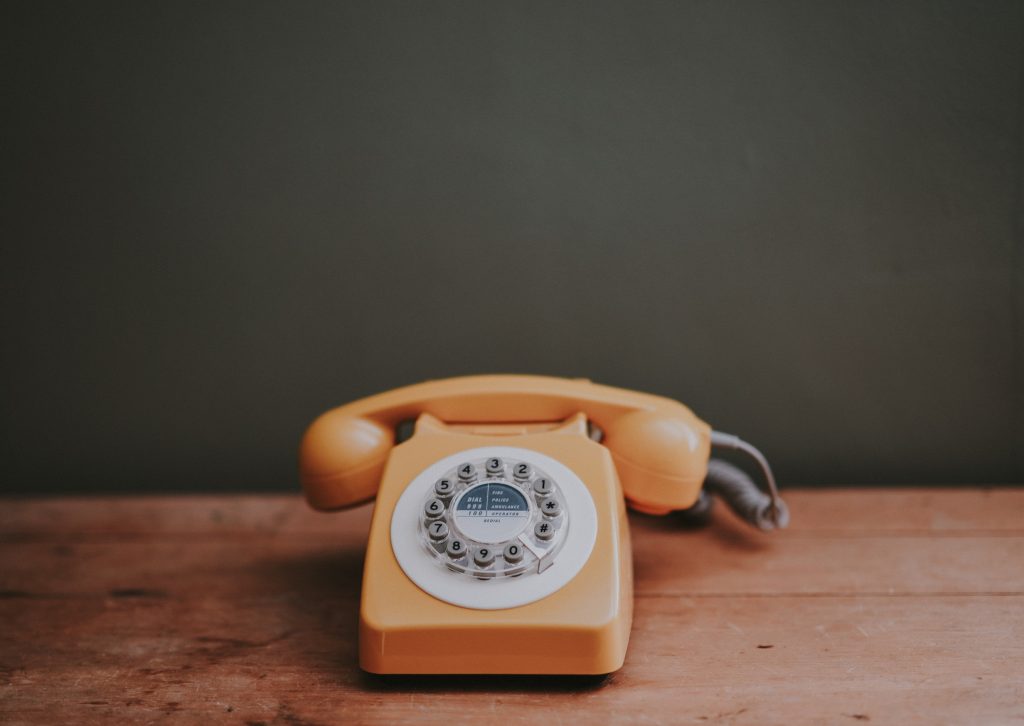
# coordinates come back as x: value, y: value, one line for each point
x: 882, y: 606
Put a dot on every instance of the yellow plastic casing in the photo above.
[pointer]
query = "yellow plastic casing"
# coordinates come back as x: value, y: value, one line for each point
x: 583, y: 628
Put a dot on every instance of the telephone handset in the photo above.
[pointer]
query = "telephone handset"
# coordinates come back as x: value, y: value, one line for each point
x: 499, y: 542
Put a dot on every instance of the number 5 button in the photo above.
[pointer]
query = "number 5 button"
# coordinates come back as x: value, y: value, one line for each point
x: 444, y: 487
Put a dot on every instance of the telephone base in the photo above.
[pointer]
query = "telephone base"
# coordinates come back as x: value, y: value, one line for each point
x: 582, y: 628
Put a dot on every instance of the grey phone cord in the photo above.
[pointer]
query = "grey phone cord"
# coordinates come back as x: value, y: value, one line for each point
x: 739, y: 491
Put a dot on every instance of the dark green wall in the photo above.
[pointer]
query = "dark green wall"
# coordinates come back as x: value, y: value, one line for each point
x: 802, y: 219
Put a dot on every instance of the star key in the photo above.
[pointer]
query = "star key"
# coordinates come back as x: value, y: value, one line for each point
x: 550, y: 507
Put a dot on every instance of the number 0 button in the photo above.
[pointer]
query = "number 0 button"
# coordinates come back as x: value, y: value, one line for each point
x: 483, y: 556
x: 513, y: 552
x: 434, y: 508
x: 438, y: 531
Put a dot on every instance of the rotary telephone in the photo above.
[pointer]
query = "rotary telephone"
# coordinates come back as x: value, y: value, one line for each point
x: 499, y: 542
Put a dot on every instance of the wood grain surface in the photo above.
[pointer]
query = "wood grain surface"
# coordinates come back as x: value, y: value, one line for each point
x: 896, y: 606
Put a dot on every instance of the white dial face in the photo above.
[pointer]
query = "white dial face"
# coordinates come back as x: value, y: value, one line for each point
x: 495, y: 527
x: 491, y: 512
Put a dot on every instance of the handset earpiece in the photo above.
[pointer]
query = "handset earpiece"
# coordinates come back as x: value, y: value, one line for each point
x: 342, y: 457
x: 661, y: 454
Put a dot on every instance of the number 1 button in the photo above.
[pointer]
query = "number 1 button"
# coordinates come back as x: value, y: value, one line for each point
x: 543, y: 486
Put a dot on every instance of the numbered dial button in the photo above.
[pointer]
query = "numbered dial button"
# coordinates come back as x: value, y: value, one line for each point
x: 550, y: 507
x: 513, y: 552
x: 444, y: 488
x: 543, y: 486
x: 467, y: 472
x: 522, y: 471
x: 438, y: 531
x: 544, y: 530
x: 495, y: 465
x: 483, y: 556
x: 456, y: 549
x: 433, y: 508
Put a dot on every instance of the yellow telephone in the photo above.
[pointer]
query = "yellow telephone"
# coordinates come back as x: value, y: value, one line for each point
x: 499, y: 542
